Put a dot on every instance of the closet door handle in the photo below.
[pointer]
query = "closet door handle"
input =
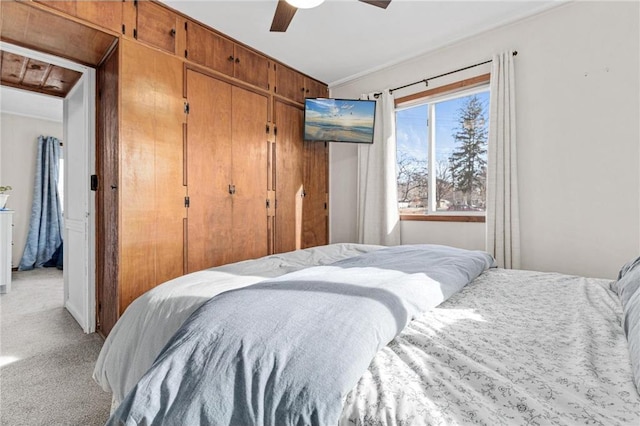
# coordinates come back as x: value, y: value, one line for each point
x: 232, y: 189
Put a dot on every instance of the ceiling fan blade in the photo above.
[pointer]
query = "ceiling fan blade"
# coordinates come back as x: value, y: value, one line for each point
x: 379, y: 3
x: 283, y: 16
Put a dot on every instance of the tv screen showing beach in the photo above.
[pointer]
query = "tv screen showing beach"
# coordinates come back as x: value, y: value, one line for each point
x: 339, y: 120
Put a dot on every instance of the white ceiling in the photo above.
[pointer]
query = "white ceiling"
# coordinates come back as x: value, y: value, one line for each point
x: 342, y: 39
x: 337, y: 41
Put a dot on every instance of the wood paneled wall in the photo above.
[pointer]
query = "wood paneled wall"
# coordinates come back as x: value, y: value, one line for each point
x: 165, y: 80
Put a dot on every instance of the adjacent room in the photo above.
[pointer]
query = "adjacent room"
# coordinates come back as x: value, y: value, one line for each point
x: 323, y: 212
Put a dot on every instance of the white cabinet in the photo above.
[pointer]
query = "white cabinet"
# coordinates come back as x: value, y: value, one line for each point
x: 6, y: 217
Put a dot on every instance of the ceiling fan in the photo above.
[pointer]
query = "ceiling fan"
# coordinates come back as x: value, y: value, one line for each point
x: 287, y: 8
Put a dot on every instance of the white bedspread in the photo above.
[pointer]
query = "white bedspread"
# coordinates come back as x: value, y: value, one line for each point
x: 512, y: 348
x: 149, y: 322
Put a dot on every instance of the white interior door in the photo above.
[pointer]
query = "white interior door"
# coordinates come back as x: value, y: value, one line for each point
x: 79, y: 201
x: 79, y: 137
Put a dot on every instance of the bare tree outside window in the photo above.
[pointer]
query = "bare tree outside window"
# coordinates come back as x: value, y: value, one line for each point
x: 413, y: 181
x: 444, y: 184
x: 455, y: 131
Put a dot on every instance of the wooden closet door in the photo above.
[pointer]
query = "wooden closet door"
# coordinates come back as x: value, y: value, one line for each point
x: 209, y: 220
x: 210, y: 49
x: 314, y: 208
x: 289, y: 177
x: 156, y: 25
x: 251, y: 67
x: 249, y: 162
x: 151, y: 193
x: 289, y: 83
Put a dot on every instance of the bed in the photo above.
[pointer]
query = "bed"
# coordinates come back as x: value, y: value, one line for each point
x: 510, y: 347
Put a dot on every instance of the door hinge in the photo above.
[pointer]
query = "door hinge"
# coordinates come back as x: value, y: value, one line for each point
x: 325, y: 206
x: 94, y: 182
x: 123, y: 29
x: 275, y: 130
x: 186, y: 107
x: 187, y: 202
x: 268, y: 203
x: 135, y: 33
x: 186, y: 54
x: 303, y: 194
x: 135, y: 3
x: 267, y: 128
x: 185, y: 25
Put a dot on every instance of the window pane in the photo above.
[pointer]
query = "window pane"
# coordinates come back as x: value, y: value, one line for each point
x: 461, y: 130
x: 411, y: 135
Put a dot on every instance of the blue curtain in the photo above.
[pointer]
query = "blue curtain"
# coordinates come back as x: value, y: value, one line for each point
x: 45, y: 230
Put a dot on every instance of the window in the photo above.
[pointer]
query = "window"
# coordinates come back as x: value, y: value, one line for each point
x: 442, y: 152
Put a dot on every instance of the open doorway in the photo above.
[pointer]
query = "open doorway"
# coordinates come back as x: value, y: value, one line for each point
x: 76, y: 112
x: 25, y: 116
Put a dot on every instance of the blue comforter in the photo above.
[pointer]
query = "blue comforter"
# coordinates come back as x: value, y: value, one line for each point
x: 286, y: 351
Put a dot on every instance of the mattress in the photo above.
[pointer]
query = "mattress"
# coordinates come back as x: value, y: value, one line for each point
x: 513, y: 347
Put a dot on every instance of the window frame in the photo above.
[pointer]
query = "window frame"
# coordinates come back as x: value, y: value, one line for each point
x: 431, y: 96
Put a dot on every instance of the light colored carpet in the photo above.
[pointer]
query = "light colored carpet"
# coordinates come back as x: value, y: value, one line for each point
x: 46, y: 361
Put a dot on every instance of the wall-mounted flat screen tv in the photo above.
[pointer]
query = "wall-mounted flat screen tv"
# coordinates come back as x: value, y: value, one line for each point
x: 339, y: 120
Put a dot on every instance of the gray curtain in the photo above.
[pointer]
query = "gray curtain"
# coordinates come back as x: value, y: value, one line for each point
x: 45, y: 229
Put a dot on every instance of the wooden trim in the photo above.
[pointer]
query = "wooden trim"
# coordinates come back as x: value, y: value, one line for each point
x: 443, y: 218
x: 463, y: 84
x: 185, y: 244
x: 270, y: 167
x: 288, y: 101
x: 223, y: 77
x: 185, y: 176
x: 185, y: 68
x: 68, y: 16
x: 99, y: 41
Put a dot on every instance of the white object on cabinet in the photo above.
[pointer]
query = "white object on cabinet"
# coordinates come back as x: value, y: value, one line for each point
x: 6, y: 217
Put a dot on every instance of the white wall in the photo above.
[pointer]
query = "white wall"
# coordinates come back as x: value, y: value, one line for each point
x: 578, y: 109
x: 18, y: 150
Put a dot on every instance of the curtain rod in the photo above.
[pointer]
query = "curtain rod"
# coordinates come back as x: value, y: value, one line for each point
x: 426, y: 80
